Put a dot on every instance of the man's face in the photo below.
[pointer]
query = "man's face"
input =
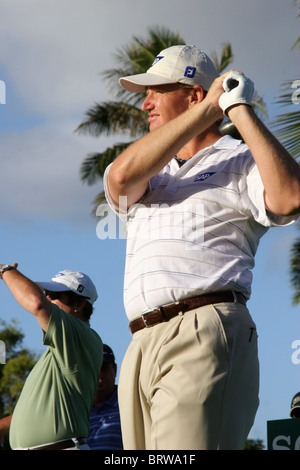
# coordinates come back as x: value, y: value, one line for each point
x: 163, y: 103
x: 107, y: 378
x: 61, y: 299
x: 296, y: 413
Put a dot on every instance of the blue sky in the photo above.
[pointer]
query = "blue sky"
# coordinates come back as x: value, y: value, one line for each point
x: 51, y: 57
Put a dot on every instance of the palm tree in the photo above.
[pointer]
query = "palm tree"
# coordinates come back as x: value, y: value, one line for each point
x: 124, y: 115
x: 287, y: 125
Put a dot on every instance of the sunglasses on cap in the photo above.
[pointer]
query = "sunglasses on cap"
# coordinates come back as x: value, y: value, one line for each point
x: 52, y: 295
x: 57, y: 295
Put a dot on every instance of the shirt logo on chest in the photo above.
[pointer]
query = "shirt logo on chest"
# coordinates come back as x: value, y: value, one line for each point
x: 203, y: 176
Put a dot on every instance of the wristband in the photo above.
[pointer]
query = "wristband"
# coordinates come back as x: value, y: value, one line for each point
x: 5, y: 267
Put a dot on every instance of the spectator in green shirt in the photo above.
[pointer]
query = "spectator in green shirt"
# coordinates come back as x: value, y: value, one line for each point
x: 53, y: 410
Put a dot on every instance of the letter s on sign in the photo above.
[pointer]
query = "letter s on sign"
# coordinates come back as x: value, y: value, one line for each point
x: 276, y: 445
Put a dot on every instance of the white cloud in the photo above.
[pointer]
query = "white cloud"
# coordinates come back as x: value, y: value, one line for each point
x: 40, y: 174
x: 53, y: 52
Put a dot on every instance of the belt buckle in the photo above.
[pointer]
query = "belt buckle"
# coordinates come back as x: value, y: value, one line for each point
x: 144, y: 319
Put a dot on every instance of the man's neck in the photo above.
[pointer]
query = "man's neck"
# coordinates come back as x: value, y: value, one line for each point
x: 206, y: 139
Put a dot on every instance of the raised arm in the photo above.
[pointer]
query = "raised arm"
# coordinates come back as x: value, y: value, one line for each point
x: 28, y: 295
x: 279, y: 171
x: 131, y: 171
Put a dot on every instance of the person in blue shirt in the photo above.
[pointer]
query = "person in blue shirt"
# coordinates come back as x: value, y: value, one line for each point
x: 105, y: 427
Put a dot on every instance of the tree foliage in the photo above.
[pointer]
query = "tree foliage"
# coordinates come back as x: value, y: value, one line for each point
x: 286, y: 127
x: 253, y: 444
x: 18, y: 363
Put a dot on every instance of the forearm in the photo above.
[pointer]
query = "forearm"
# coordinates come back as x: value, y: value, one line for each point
x: 28, y: 295
x: 131, y: 171
x: 279, y: 171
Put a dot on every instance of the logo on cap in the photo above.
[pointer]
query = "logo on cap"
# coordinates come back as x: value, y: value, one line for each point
x: 157, y: 59
x: 189, y: 71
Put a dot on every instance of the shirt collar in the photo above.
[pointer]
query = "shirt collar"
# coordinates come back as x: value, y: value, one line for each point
x: 227, y: 141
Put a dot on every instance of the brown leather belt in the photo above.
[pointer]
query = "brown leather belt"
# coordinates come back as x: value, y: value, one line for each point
x: 61, y: 445
x: 166, y: 312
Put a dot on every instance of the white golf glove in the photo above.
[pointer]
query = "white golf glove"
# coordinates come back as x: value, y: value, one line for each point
x: 238, y: 89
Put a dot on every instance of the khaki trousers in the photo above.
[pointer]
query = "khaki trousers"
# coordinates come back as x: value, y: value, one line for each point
x: 191, y: 383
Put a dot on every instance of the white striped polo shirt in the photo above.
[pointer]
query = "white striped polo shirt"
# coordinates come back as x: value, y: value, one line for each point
x: 197, y: 229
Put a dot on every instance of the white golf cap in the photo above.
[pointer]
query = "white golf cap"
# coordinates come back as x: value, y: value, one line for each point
x: 74, y: 281
x: 183, y: 64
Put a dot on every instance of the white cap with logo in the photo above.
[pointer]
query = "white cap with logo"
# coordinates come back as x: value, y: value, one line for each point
x: 74, y: 281
x: 176, y: 64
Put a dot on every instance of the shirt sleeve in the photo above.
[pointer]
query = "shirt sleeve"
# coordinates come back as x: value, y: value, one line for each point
x: 66, y: 336
x: 256, y: 194
x: 121, y: 209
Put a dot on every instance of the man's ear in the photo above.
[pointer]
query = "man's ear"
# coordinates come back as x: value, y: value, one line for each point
x: 197, y: 94
x: 80, y: 304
